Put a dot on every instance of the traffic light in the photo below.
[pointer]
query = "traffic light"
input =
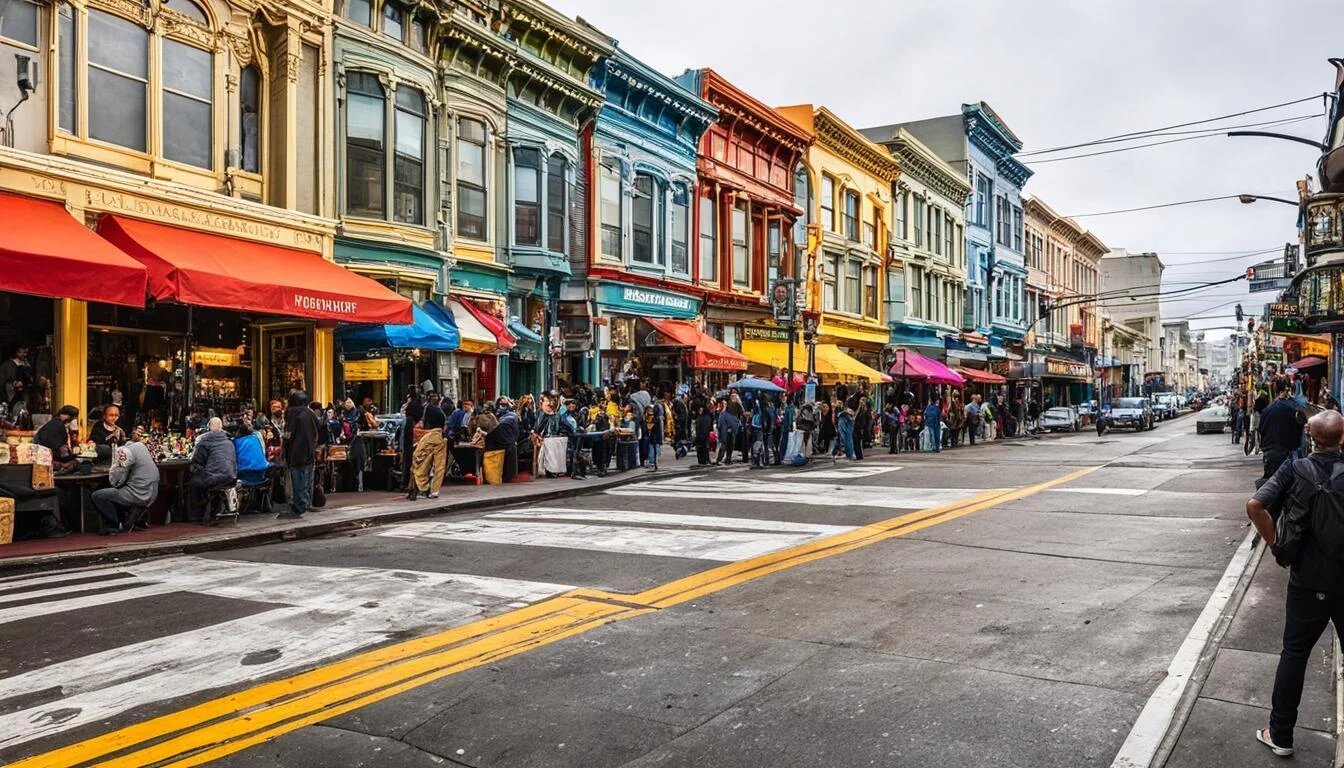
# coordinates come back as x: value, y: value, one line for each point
x: 1240, y: 315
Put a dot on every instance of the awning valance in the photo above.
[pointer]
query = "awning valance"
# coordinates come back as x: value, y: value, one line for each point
x: 209, y: 270
x: 978, y: 376
x: 832, y: 363
x: 707, y: 353
x: 504, y: 339
x: 47, y: 252
x: 427, y: 331
x: 916, y: 367
x: 476, y: 338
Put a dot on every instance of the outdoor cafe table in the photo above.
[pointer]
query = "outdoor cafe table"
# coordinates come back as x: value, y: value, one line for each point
x: 84, y: 484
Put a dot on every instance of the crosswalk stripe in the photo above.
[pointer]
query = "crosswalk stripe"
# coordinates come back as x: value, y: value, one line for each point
x: 844, y: 473
x: 321, y: 613
x: 667, y: 518
x: 795, y: 493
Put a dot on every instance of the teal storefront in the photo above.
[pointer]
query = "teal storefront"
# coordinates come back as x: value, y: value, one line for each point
x: 621, y: 341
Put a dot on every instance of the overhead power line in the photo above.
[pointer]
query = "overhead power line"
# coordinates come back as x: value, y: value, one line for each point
x: 1140, y: 134
x: 1202, y: 262
x: 1218, y: 132
x: 1155, y: 207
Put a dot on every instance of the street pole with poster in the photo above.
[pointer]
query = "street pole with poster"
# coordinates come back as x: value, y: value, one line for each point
x: 784, y: 308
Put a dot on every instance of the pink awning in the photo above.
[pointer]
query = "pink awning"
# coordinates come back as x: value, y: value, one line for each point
x: 912, y: 365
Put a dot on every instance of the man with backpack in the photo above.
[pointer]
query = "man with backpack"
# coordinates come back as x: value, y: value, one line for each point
x: 1306, y: 497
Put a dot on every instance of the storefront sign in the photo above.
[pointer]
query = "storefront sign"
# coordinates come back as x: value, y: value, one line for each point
x: 329, y: 306
x: 1283, y: 309
x: 366, y: 370
x: 1069, y: 368
x: 648, y: 302
x: 764, y: 333
x: 212, y: 356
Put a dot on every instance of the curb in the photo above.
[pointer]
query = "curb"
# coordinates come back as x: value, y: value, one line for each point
x: 87, y: 557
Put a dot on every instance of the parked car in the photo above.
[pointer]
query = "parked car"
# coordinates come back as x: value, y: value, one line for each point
x: 1134, y: 413
x: 1211, y: 419
x: 1061, y: 418
x: 1165, y: 405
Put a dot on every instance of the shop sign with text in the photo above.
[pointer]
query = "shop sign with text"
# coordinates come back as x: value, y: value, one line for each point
x: 648, y: 302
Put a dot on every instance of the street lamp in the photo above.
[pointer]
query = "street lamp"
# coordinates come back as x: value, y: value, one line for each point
x: 1248, y: 199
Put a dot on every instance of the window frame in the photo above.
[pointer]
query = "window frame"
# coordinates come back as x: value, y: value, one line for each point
x: 398, y: 109
x: 707, y: 234
x: 827, y: 200
x: 459, y: 185
x: 741, y: 248
x: 556, y: 213
x: 680, y: 190
x: 852, y: 213
x: 644, y: 202
x: 39, y: 12
x: 533, y: 207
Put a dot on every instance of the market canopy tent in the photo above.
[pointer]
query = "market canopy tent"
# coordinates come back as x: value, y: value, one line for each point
x: 197, y: 268
x: 916, y: 367
x: 978, y: 376
x: 427, y: 331
x: 707, y: 352
x: 832, y: 363
x: 504, y: 338
x: 1307, y: 362
x: 47, y: 252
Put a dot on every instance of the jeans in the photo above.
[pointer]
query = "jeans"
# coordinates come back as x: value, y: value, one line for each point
x: 112, y: 504
x: 972, y: 430
x: 845, y: 438
x: 302, y: 480
x: 1306, y: 616
x: 654, y: 447
x: 936, y: 435
x: 727, y: 444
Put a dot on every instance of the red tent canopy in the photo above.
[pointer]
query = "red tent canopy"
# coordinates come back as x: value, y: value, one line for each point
x: 912, y: 365
x: 47, y: 252
x: 979, y: 376
x: 492, y: 323
x: 209, y: 270
x: 707, y: 352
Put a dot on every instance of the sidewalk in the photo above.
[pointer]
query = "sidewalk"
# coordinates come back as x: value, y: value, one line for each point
x: 1234, y: 699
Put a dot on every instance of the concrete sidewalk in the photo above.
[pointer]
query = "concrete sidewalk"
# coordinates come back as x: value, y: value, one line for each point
x: 1234, y: 699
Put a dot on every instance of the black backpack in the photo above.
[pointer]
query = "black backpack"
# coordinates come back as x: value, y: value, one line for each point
x: 1316, y: 518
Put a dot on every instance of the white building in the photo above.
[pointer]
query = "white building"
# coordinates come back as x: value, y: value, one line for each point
x: 1130, y: 283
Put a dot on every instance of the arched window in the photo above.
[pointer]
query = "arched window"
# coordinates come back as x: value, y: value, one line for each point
x: 681, y: 228
x: 189, y: 9
x: 408, y: 171
x: 365, y: 144
x: 249, y: 118
x: 527, y: 196
x: 557, y: 204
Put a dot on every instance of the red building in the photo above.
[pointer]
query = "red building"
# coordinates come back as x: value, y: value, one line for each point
x: 746, y: 206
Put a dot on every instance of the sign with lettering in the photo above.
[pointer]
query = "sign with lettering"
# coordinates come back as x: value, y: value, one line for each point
x: 366, y: 370
x: 1067, y: 368
x: 764, y: 333
x: 646, y: 302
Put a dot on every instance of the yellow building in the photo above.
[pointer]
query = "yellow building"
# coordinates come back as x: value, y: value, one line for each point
x: 188, y: 134
x: 849, y: 184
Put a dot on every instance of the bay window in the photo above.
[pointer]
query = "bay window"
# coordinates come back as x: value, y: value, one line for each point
x: 408, y: 168
x: 557, y: 201
x: 642, y: 208
x: 610, y: 182
x: 681, y: 229
x: 709, y: 253
x: 365, y: 144
x: 118, y: 81
x: 741, y: 250
x: 852, y: 216
x: 526, y: 196
x: 853, y: 291
x: 471, y: 179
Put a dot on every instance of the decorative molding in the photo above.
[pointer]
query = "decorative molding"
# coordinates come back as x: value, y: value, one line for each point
x: 635, y: 81
x: 174, y: 24
x: 128, y: 8
x: 850, y: 146
x: 918, y: 163
x: 293, y: 63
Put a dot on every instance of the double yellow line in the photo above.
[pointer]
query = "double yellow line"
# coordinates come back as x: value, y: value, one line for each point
x: 223, y: 726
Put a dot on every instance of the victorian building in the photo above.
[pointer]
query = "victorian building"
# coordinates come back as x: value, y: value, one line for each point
x: 746, y: 207
x: 849, y: 184
x: 176, y: 149
x: 636, y: 274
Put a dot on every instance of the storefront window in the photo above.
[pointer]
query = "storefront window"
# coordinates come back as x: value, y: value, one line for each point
x: 471, y: 187
x: 557, y: 219
x: 681, y: 229
x: 642, y: 212
x: 709, y: 255
x: 408, y: 171
x: 118, y: 80
x: 741, y: 251
x: 610, y: 179
x: 365, y: 144
x: 527, y: 196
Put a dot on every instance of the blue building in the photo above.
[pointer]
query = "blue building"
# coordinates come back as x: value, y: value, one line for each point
x: 979, y: 144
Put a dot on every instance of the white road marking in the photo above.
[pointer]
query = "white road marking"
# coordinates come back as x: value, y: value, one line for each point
x: 659, y: 518
x: 1151, y: 726
x: 816, y: 494
x: 700, y: 544
x: 321, y: 614
x: 1103, y: 491
x: 841, y: 472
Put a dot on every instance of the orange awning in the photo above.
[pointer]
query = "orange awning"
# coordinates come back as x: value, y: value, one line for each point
x: 47, y: 252
x: 707, y: 352
x: 209, y: 270
x: 979, y: 376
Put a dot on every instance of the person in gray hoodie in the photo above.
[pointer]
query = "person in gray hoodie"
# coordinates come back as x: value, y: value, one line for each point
x: 135, y: 482
x: 214, y: 464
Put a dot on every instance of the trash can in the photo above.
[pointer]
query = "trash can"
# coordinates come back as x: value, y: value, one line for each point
x: 494, y: 467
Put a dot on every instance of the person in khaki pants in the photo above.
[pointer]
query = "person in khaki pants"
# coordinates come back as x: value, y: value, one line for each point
x: 429, y: 463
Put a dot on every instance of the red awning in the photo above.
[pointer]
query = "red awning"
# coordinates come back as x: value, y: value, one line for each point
x: 492, y: 323
x: 912, y: 365
x: 707, y: 352
x: 216, y: 271
x: 979, y: 376
x: 1307, y: 362
x: 47, y: 252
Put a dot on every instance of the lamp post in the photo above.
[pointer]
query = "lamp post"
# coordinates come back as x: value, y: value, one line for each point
x: 1248, y: 199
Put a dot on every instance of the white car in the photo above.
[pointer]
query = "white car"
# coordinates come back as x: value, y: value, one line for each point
x: 1211, y: 419
x: 1061, y: 418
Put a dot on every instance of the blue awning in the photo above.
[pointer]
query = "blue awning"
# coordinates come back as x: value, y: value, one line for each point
x: 523, y: 332
x: 431, y: 328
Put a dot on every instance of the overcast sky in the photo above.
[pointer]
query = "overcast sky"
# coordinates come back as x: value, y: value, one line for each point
x: 1058, y: 72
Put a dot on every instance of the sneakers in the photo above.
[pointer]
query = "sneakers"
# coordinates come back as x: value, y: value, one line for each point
x: 413, y: 494
x: 434, y: 495
x: 1262, y: 736
x: 289, y: 516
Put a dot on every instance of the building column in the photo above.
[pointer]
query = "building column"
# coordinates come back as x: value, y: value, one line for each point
x: 72, y: 354
x: 324, y: 365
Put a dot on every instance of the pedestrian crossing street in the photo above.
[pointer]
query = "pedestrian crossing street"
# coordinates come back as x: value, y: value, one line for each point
x: 277, y: 618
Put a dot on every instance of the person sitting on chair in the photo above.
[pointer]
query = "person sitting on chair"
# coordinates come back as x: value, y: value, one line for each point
x: 135, y: 483
x: 253, y: 468
x: 214, y: 465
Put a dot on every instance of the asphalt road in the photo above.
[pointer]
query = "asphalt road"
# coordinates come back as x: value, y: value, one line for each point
x: 1011, y: 605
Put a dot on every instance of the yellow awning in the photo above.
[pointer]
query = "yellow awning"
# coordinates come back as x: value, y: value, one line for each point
x: 833, y: 363
x: 878, y: 337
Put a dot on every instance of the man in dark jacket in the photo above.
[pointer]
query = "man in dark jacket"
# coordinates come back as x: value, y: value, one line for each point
x: 1280, y: 429
x: 505, y: 434
x: 1316, y: 580
x: 214, y: 464
x: 300, y: 453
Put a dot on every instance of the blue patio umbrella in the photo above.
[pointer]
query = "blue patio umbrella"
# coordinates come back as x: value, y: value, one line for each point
x: 753, y: 383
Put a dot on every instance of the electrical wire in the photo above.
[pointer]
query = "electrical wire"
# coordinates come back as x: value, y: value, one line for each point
x: 1141, y: 134
x: 1160, y: 205
x: 1218, y: 133
x: 1226, y: 258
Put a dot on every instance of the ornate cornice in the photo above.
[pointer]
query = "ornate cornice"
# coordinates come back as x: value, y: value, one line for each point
x: 734, y: 104
x: 919, y: 163
x: 664, y: 90
x: 1013, y: 170
x: 848, y: 144
x: 583, y: 40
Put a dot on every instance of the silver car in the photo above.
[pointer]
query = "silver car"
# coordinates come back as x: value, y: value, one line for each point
x: 1064, y: 418
x: 1211, y: 419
